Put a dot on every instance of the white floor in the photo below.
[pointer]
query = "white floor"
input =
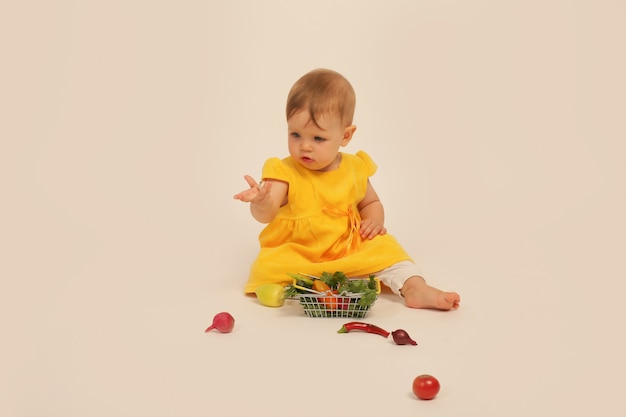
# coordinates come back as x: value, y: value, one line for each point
x: 128, y: 126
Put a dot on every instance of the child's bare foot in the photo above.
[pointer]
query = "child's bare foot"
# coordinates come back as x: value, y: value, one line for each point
x: 418, y: 294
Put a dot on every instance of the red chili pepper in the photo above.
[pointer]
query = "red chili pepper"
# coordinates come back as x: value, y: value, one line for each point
x: 365, y: 327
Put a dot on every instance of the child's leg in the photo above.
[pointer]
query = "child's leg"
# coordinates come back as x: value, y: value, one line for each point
x: 418, y: 294
x: 404, y: 279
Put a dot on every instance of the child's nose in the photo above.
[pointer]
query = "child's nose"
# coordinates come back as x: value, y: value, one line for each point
x: 306, y: 145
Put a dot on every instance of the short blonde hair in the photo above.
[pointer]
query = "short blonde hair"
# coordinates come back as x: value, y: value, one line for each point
x: 322, y: 92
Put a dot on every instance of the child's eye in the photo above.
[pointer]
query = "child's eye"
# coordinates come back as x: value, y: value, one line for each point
x: 319, y: 139
x: 295, y: 135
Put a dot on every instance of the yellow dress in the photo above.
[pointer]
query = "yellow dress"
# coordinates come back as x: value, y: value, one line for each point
x: 318, y: 229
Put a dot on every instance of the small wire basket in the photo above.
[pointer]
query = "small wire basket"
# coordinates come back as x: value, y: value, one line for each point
x: 334, y: 305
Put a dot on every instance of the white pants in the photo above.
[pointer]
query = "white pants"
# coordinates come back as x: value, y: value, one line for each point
x: 395, y: 276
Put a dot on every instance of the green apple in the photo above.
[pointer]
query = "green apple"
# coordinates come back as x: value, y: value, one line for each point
x: 271, y: 295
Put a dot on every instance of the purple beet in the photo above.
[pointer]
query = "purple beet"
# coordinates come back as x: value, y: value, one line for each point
x: 401, y: 337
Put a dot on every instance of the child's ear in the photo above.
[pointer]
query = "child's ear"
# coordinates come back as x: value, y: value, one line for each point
x: 347, y: 135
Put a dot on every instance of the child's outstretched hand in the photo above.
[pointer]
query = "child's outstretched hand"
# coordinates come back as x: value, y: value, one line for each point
x: 256, y: 193
x: 265, y: 198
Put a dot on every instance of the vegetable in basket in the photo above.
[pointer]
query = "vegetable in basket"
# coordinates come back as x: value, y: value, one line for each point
x: 338, y: 284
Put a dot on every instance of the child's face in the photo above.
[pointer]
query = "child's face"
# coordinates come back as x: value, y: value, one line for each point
x: 317, y: 148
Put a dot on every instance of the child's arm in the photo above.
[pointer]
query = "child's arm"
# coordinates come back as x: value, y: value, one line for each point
x: 372, y: 214
x: 265, y: 200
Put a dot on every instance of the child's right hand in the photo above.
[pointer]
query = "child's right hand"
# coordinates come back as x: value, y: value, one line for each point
x: 256, y: 193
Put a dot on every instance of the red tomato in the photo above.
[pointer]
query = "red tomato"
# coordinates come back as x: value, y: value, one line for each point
x: 425, y: 387
x: 344, y: 303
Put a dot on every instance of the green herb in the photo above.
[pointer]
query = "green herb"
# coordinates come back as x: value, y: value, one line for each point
x: 335, y: 280
x: 372, y: 282
x: 291, y: 291
x: 368, y: 298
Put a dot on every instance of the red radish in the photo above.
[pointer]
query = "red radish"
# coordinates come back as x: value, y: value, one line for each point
x: 223, y: 322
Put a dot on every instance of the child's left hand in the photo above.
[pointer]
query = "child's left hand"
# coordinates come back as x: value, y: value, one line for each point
x: 371, y: 229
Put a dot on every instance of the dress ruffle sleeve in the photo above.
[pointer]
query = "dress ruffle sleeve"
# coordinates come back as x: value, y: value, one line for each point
x: 370, y: 165
x: 276, y: 169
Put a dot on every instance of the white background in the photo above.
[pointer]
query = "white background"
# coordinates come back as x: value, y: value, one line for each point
x: 127, y: 126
